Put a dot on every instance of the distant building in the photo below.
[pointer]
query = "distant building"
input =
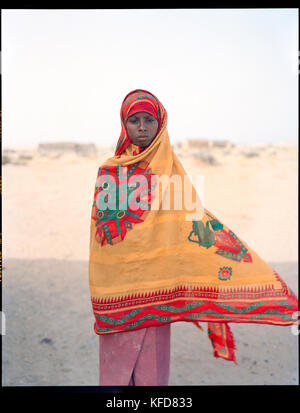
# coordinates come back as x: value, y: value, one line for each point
x: 83, y: 149
x: 222, y: 144
x: 196, y: 143
x: 86, y: 149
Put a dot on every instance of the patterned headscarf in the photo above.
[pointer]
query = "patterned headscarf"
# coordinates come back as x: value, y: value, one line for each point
x: 138, y: 100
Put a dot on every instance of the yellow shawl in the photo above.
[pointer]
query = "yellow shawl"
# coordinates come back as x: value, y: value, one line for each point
x: 159, y: 265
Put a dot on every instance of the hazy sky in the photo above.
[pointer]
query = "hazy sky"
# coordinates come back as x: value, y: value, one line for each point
x: 221, y: 74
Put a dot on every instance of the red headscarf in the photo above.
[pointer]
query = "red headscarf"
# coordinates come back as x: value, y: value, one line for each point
x: 142, y: 106
x: 138, y: 100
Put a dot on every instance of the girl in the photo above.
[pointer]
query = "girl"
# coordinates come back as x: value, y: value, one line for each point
x: 153, y: 263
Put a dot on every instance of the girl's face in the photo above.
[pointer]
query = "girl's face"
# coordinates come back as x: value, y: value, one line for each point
x: 142, y: 128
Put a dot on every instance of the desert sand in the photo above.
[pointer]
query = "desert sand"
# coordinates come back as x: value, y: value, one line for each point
x: 49, y: 338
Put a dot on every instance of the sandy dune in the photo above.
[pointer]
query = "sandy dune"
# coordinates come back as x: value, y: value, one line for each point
x: 46, y: 215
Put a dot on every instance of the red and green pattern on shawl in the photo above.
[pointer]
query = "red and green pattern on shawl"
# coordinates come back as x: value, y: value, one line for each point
x: 222, y: 340
x: 185, y: 303
x: 133, y: 97
x: 125, y: 200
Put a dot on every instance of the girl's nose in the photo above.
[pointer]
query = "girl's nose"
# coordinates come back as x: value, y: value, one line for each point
x: 142, y: 125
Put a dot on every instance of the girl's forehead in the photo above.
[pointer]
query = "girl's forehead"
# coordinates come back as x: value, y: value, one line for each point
x: 142, y: 114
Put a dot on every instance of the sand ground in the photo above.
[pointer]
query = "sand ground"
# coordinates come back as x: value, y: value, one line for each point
x: 49, y: 338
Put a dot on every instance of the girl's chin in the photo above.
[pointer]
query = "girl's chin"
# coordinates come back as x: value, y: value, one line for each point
x: 142, y: 144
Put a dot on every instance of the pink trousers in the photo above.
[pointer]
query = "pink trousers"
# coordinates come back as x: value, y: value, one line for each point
x: 136, y: 358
